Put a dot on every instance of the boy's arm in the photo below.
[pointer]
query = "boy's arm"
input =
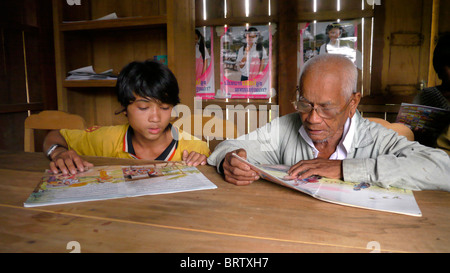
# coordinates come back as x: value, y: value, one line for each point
x: 54, y: 138
x: 55, y: 148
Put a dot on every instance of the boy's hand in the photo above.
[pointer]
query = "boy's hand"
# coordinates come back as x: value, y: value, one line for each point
x: 236, y: 171
x: 194, y: 158
x: 68, y: 161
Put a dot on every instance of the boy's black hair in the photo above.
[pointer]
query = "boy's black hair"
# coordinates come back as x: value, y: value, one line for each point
x: 148, y: 79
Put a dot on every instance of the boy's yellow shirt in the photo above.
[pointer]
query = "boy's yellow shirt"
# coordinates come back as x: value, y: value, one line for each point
x: 111, y: 141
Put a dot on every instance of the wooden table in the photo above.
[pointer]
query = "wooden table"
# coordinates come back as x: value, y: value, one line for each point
x: 261, y: 217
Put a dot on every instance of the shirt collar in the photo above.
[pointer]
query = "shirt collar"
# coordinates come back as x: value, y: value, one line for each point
x: 168, y: 153
x: 344, y: 144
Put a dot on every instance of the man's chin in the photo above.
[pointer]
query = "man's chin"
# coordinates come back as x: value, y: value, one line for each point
x: 318, y: 139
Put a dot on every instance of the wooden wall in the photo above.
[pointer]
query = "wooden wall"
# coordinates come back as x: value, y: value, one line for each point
x: 27, y: 69
x: 404, y: 34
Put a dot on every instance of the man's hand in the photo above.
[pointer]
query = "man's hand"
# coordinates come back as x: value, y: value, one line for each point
x: 68, y: 161
x: 319, y: 166
x: 194, y: 158
x: 236, y: 171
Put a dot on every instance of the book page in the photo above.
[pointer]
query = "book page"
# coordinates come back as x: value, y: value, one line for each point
x: 108, y: 182
x: 362, y: 195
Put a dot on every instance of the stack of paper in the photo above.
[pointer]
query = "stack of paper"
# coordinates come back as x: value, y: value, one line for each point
x: 88, y: 73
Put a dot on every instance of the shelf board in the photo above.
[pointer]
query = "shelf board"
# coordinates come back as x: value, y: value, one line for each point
x: 232, y: 21
x: 127, y: 22
x: 222, y: 103
x: 89, y: 83
x: 21, y: 107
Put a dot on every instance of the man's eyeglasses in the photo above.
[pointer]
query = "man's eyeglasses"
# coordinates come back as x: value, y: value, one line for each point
x: 302, y: 105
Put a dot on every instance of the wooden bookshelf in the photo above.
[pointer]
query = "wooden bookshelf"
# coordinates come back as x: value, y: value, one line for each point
x: 89, y: 83
x: 142, y: 30
x: 119, y: 23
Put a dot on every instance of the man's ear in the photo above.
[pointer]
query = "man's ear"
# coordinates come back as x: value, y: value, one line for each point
x: 356, y: 98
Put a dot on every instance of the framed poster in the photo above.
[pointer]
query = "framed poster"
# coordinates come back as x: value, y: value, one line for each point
x: 245, y: 62
x: 204, y: 63
x: 328, y: 38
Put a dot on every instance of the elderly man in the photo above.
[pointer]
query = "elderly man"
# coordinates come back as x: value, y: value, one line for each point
x: 328, y: 137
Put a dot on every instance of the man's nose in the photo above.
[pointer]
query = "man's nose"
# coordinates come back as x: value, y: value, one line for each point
x: 313, y: 116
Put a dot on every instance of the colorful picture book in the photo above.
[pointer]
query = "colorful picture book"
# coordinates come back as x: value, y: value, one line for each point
x: 426, y: 122
x: 361, y: 195
x: 108, y: 182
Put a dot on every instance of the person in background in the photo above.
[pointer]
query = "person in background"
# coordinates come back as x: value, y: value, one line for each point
x: 147, y: 92
x: 201, y: 55
x: 252, y: 56
x: 439, y: 96
x: 333, y: 32
x: 328, y: 137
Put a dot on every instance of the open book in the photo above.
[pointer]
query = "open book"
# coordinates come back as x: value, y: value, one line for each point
x: 361, y: 195
x: 108, y: 182
x: 426, y: 122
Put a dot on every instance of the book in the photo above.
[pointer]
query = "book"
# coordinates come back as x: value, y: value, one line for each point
x: 361, y: 195
x: 426, y: 122
x: 109, y: 182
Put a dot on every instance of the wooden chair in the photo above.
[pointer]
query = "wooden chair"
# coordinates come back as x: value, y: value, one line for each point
x: 221, y: 129
x: 49, y: 120
x: 400, y: 128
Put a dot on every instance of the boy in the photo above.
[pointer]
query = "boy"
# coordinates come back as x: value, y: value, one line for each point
x: 147, y: 91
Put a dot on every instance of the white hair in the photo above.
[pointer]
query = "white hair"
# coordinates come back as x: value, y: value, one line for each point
x: 347, y: 70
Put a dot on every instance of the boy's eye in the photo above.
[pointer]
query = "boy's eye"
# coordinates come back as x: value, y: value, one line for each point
x: 142, y: 108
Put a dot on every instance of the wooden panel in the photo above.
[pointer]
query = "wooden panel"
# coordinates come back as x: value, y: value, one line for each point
x: 97, y: 108
x: 119, y: 23
x: 404, y: 15
x: 214, y: 9
x: 181, y: 46
x: 347, y: 5
x: 406, y: 39
x: 366, y: 71
x: 403, y: 65
x: 13, y: 67
x: 235, y: 8
x: 12, y: 132
x: 131, y: 8
x: 326, y: 5
x: 26, y: 66
x: 116, y: 49
x: 287, y: 48
x: 20, y: 107
x: 406, y: 47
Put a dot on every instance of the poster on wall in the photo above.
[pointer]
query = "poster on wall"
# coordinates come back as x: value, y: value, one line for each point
x: 245, y: 62
x: 328, y: 38
x: 204, y: 63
